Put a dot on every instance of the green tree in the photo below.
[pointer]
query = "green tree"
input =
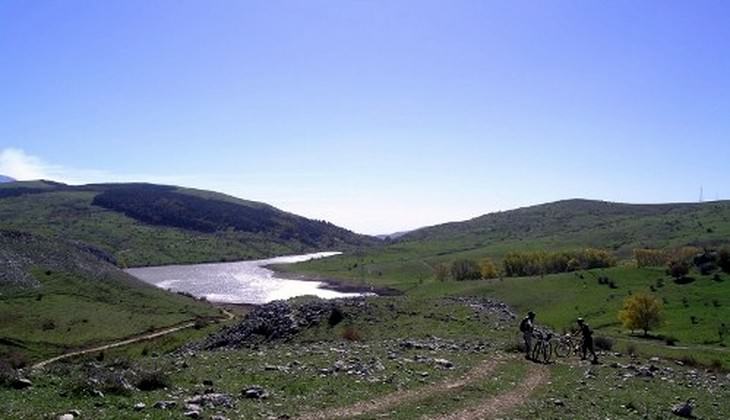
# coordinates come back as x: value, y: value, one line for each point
x: 641, y: 311
x: 678, y: 269
x: 441, y: 272
x: 465, y: 270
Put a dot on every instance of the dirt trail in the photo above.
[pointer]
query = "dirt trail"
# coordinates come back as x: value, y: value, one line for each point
x: 403, y: 397
x: 498, y: 405
x: 489, y: 408
x: 125, y: 342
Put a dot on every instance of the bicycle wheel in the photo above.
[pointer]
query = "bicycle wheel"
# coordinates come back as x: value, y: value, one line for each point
x: 562, y: 349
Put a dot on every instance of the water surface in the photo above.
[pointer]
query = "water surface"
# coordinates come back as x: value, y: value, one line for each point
x: 237, y: 282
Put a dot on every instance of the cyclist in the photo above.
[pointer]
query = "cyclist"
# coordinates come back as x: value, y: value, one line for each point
x: 527, y: 328
x: 587, y: 342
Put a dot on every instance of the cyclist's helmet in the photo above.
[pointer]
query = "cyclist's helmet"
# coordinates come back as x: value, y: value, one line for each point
x: 580, y: 320
x: 531, y: 314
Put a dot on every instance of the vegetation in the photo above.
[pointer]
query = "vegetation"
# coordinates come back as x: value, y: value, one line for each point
x: 465, y: 270
x: 488, y: 268
x: 519, y: 264
x: 142, y: 224
x: 641, y: 311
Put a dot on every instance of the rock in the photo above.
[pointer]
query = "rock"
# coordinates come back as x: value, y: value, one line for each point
x: 443, y: 363
x: 165, y: 405
x: 75, y: 413
x: 21, y: 383
x: 192, y: 407
x: 139, y: 406
x: 65, y: 417
x: 218, y: 417
x: 207, y: 382
x: 558, y: 402
x: 255, y: 392
x: 193, y: 414
x: 684, y: 409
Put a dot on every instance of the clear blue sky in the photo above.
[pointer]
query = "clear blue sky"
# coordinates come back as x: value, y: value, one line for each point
x: 375, y: 115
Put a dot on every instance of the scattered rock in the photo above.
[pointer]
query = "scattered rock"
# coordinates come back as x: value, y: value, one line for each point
x: 165, y: 405
x: 443, y: 363
x: 255, y: 392
x: 193, y: 414
x: 684, y: 409
x: 139, y: 406
x: 21, y: 383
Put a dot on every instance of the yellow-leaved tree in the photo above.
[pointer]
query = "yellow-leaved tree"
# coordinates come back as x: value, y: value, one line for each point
x: 488, y: 268
x: 641, y: 311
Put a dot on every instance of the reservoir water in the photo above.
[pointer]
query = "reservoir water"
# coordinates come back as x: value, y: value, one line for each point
x: 237, y: 282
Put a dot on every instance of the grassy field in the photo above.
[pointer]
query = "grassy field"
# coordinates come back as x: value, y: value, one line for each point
x: 69, y: 312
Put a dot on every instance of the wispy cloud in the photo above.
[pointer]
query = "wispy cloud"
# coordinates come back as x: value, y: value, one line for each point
x: 16, y: 163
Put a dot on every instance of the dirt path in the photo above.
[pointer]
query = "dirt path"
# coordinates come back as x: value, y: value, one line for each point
x: 500, y: 404
x: 403, y: 397
x: 489, y: 408
x: 125, y: 342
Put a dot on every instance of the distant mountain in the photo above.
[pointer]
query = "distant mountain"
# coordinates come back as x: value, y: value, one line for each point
x: 579, y: 223
x: 4, y: 178
x: 147, y: 224
x: 392, y: 236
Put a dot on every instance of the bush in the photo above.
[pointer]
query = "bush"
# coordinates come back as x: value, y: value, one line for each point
x: 48, y: 325
x: 441, y: 272
x: 465, y: 270
x: 351, y: 334
x: 603, y: 343
x: 153, y: 379
x: 678, y: 270
x: 723, y: 260
x: 200, y: 323
x: 671, y: 340
x: 631, y: 349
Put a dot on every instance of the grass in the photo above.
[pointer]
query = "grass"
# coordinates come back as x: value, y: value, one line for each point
x: 68, y: 311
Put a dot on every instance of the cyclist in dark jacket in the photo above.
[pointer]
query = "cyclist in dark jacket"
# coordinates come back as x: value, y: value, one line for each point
x: 587, y: 343
x: 527, y: 327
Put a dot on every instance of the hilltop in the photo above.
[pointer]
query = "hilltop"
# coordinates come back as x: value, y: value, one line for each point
x: 147, y: 224
x: 4, y: 178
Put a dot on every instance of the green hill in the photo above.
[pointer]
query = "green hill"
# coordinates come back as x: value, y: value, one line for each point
x: 562, y: 225
x: 146, y: 224
x: 57, y: 295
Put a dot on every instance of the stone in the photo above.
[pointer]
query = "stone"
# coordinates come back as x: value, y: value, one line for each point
x: 443, y: 363
x: 21, y: 383
x: 683, y: 409
x: 65, y: 417
x: 139, y: 406
x: 255, y: 392
x: 193, y: 414
x: 165, y: 405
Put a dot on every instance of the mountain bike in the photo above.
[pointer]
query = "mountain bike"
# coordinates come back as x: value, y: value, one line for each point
x: 543, y: 348
x: 567, y: 345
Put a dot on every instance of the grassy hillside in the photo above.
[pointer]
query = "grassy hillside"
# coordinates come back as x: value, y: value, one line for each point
x: 57, y: 295
x: 563, y: 225
x: 142, y: 224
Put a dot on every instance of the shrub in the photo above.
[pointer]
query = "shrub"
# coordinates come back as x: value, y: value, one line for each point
x: 723, y: 260
x: 200, y: 323
x: 678, y: 270
x: 152, y: 379
x: 48, y: 325
x: 603, y: 343
x: 336, y: 316
x: 631, y: 349
x: 671, y: 340
x: 465, y: 270
x: 517, y: 264
x: 441, y: 272
x: 351, y: 334
x: 641, y: 311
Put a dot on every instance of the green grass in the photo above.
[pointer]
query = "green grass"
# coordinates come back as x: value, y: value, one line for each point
x: 68, y: 311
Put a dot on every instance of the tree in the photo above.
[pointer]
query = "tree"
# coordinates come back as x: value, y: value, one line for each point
x: 465, y: 270
x: 441, y: 272
x: 678, y: 269
x: 488, y: 268
x: 641, y: 311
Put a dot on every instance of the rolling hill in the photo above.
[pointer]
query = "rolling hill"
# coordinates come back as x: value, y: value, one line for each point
x: 562, y: 225
x: 146, y: 224
x: 4, y: 178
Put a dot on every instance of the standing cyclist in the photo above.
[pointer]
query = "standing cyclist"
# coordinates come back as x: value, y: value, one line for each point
x: 527, y: 327
x: 587, y: 343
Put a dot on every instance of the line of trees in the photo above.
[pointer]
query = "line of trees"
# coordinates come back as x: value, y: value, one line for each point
x: 518, y: 264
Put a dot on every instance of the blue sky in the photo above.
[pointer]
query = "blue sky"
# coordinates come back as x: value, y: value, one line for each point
x: 375, y: 115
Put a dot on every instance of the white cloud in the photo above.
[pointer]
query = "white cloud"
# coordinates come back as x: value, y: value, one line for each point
x: 21, y: 166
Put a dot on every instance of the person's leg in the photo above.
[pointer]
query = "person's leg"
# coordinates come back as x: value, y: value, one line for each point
x: 528, y: 345
x: 592, y: 350
x: 583, y: 349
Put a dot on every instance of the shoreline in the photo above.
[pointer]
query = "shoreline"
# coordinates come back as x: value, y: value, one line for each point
x: 337, y: 285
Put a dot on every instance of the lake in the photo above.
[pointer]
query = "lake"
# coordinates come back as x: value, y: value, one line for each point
x: 237, y: 282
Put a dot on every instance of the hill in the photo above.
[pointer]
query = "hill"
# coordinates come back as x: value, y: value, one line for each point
x: 146, y: 224
x: 4, y: 178
x: 562, y: 225
x: 57, y: 294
